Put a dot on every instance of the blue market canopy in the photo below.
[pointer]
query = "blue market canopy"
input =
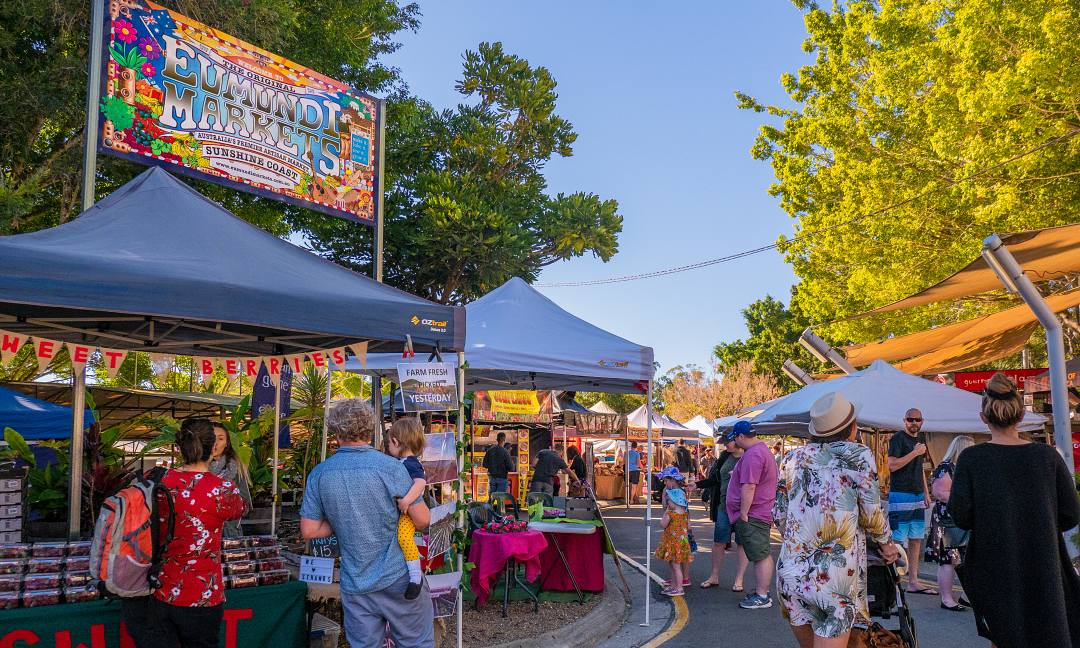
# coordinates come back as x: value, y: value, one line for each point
x: 519, y: 339
x: 158, y: 267
x: 36, y: 419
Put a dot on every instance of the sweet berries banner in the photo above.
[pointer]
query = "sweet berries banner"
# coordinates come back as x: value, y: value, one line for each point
x: 45, y: 351
x: 182, y: 94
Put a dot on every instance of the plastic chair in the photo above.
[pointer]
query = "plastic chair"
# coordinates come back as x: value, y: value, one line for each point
x: 503, y: 504
x: 479, y: 514
x: 537, y: 496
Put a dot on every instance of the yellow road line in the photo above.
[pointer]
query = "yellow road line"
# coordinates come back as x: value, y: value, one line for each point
x: 682, y: 612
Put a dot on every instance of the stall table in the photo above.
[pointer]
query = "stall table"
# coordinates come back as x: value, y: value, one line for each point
x: 502, y: 552
x: 255, y: 617
x: 574, y: 558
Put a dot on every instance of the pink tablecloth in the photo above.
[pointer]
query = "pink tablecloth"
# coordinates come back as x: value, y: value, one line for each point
x: 490, y: 551
x: 584, y: 554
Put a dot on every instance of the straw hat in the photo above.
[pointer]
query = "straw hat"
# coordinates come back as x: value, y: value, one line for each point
x: 830, y: 414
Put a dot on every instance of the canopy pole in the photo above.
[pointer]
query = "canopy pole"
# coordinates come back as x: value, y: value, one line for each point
x: 326, y: 412
x: 628, y: 490
x: 78, y: 411
x: 274, y: 495
x: 648, y: 503
x: 93, y: 97
x: 460, y: 429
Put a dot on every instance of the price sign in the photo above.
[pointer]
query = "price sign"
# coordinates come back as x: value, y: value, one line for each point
x: 316, y: 570
x: 325, y: 547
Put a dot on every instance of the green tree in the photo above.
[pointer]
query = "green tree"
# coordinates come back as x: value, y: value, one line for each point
x: 621, y: 403
x: 466, y: 203
x: 903, y: 97
x: 773, y: 337
x: 43, y: 62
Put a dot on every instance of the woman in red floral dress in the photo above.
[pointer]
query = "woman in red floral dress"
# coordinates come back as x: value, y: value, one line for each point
x: 186, y: 611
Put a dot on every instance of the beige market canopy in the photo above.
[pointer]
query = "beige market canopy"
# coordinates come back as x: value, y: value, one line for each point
x: 1043, y: 254
x: 960, y: 345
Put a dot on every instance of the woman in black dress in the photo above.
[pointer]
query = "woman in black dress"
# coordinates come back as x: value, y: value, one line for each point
x: 1017, y: 498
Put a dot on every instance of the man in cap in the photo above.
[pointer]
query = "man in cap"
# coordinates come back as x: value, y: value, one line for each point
x: 750, y: 498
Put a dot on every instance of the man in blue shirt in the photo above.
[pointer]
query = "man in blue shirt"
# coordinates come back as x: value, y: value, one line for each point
x: 633, y: 463
x: 352, y: 494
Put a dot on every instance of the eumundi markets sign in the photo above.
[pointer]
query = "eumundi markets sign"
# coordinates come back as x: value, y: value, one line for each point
x: 182, y: 94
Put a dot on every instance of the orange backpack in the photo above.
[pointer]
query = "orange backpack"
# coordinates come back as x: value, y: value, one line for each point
x: 126, y: 554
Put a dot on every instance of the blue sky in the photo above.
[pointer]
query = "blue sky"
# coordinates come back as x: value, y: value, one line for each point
x: 649, y: 88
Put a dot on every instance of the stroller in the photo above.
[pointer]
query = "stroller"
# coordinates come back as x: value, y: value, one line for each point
x: 886, y: 595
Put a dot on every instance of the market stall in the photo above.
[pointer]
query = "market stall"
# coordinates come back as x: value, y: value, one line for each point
x: 520, y: 347
x: 158, y: 267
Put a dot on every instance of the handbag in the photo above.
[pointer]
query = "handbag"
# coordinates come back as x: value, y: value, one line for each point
x: 954, y: 537
x: 690, y: 537
x: 875, y: 636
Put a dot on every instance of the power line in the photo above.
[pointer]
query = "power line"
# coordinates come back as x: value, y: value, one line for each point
x: 811, y: 234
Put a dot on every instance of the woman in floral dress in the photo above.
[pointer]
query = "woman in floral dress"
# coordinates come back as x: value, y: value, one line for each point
x: 827, y: 502
x: 187, y: 609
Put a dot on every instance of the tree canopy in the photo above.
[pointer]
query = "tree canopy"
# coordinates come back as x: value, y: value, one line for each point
x: 691, y: 391
x: 773, y: 337
x: 903, y: 97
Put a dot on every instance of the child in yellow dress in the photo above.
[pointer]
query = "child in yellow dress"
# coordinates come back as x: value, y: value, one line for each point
x: 675, y: 543
x: 405, y: 440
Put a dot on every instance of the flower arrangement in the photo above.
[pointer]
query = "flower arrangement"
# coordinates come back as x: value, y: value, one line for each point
x: 505, y: 525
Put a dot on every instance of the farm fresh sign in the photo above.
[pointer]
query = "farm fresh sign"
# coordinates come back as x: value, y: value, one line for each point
x: 179, y: 93
x: 428, y: 386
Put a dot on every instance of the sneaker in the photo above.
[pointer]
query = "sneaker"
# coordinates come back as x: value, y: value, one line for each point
x: 671, y: 591
x: 412, y: 591
x: 755, y: 602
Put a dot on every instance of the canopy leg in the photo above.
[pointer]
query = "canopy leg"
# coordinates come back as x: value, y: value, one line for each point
x: 648, y: 502
x: 274, y: 495
x: 78, y: 411
x: 460, y: 434
x: 326, y: 412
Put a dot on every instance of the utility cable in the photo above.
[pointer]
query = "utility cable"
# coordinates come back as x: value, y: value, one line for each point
x: 813, y: 233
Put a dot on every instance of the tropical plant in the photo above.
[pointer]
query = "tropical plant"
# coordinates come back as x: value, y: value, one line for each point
x: 47, y: 494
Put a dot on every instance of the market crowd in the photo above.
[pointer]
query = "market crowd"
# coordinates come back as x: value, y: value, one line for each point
x: 825, y: 501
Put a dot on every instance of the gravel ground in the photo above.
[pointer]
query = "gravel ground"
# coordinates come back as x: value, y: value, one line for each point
x: 486, y: 627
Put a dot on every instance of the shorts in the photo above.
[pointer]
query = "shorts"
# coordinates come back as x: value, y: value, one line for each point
x: 754, y: 538
x: 826, y: 614
x: 635, y: 476
x: 722, y: 528
x: 907, y: 516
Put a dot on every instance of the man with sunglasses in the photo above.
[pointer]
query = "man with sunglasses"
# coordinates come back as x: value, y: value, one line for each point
x: 908, y: 495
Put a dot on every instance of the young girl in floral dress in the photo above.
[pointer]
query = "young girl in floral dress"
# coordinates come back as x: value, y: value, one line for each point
x: 675, y: 543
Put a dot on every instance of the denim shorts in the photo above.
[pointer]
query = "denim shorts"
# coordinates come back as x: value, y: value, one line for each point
x: 722, y: 527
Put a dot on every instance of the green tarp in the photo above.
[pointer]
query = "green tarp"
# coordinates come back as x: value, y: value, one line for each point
x: 256, y: 617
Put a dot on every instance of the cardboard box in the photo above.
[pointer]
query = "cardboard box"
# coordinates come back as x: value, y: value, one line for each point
x: 11, y: 511
x: 8, y: 485
x: 11, y: 537
x: 7, y: 499
x: 609, y: 487
x: 10, y: 524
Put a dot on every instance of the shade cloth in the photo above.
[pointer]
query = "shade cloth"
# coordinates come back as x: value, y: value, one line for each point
x: 969, y: 354
x: 490, y: 551
x: 36, y: 419
x: 1043, y: 254
x: 585, y: 556
x: 1041, y: 383
x: 885, y: 394
x: 157, y: 266
x: 988, y: 333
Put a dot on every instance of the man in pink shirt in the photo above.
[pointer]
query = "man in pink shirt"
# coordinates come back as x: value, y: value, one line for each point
x: 750, y: 498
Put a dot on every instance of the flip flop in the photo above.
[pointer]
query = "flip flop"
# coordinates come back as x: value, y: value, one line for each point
x: 709, y: 585
x: 925, y: 590
x: 736, y: 588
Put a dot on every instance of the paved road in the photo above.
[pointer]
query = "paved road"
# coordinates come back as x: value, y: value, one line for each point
x: 714, y: 613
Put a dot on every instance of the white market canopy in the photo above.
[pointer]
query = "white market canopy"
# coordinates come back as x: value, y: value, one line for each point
x: 662, y: 425
x: 885, y: 394
x: 600, y: 407
x: 701, y: 424
x: 519, y: 339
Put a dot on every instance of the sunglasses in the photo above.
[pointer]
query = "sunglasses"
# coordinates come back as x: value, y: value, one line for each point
x: 913, y: 420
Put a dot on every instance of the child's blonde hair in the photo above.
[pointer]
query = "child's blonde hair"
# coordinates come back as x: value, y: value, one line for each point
x: 409, y: 433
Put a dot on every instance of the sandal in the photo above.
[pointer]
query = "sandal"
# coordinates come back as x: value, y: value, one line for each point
x: 925, y: 590
x: 709, y: 585
x: 736, y: 588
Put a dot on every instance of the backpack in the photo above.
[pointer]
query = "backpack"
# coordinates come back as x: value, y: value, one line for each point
x: 126, y: 554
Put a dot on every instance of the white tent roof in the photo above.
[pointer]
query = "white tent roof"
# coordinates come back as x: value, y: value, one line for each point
x: 702, y: 425
x: 600, y: 407
x: 885, y: 394
x: 663, y: 426
x: 518, y: 339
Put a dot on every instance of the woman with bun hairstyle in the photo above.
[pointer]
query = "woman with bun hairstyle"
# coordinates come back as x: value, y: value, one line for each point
x: 1017, y: 498
x: 187, y: 609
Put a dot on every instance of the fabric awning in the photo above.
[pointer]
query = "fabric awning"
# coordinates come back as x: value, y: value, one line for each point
x: 1043, y: 254
x: 159, y: 267
x: 36, y: 419
x: 993, y: 336
x: 1041, y: 383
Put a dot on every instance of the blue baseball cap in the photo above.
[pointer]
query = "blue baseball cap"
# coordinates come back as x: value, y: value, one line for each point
x: 740, y: 427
